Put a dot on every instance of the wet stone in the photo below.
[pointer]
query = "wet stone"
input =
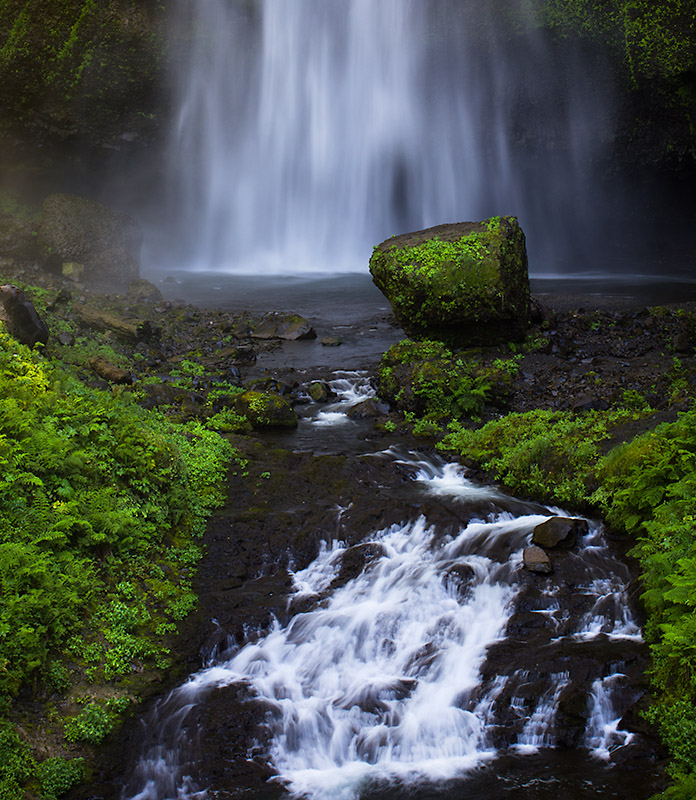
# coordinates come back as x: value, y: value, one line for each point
x: 559, y: 532
x: 536, y: 560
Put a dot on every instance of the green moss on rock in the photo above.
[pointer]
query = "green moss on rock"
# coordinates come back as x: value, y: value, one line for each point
x: 427, y: 380
x: 465, y: 283
x: 266, y: 410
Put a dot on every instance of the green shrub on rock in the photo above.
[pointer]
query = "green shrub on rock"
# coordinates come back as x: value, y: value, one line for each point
x: 427, y: 380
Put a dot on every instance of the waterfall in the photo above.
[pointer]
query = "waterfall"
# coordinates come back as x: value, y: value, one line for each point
x: 308, y: 131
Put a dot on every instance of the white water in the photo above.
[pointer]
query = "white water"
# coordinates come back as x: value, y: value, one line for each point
x: 382, y: 679
x: 310, y: 130
x: 604, y: 734
x: 350, y: 387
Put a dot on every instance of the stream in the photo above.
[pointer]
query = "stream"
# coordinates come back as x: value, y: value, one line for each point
x: 388, y: 642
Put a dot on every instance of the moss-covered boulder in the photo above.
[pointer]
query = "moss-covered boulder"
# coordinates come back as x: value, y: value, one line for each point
x: 266, y: 410
x: 465, y: 283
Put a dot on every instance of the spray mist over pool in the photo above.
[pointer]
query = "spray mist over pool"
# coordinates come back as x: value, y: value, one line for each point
x: 309, y: 131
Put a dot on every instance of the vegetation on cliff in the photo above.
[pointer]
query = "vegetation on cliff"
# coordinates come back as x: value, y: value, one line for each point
x: 74, y: 67
x: 654, y: 45
x: 102, y: 505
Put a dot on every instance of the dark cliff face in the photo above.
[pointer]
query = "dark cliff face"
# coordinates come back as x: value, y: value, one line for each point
x: 653, y: 48
x: 87, y: 72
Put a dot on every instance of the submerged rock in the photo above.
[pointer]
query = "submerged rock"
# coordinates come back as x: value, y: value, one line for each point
x: 465, y: 283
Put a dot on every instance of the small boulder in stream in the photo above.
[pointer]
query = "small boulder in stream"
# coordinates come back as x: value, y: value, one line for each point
x: 289, y: 327
x: 463, y: 284
x: 536, y: 560
x: 561, y: 532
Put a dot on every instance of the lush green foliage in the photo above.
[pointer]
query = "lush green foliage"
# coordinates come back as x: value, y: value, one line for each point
x: 99, y: 501
x: 548, y: 454
x: 425, y: 380
x: 16, y: 764
x: 60, y: 57
x: 658, y: 39
x: 57, y: 775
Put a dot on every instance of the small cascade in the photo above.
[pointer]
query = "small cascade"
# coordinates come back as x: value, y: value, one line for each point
x: 409, y: 658
x: 537, y: 731
x: 609, y: 699
x: 349, y: 388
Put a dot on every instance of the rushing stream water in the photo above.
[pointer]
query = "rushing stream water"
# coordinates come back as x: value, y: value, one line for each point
x: 412, y: 659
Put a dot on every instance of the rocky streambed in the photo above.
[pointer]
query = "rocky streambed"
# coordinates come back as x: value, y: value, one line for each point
x: 326, y: 476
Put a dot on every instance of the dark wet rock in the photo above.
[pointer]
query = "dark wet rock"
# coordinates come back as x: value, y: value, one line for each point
x: 266, y: 410
x: 524, y: 623
x: 60, y: 300
x: 536, y: 560
x: 462, y: 577
x: 164, y: 394
x: 319, y: 391
x: 588, y: 402
x: 110, y: 372
x: 124, y: 327
x: 142, y: 291
x: 370, y: 408
x: 330, y: 341
x: 559, y: 532
x: 355, y: 560
x: 243, y: 354
x: 684, y: 342
x: 269, y: 383
x: 465, y: 283
x: 21, y: 318
x: 77, y: 229
x: 290, y: 327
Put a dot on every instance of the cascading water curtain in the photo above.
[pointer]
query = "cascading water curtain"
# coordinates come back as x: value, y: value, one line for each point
x: 309, y: 130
